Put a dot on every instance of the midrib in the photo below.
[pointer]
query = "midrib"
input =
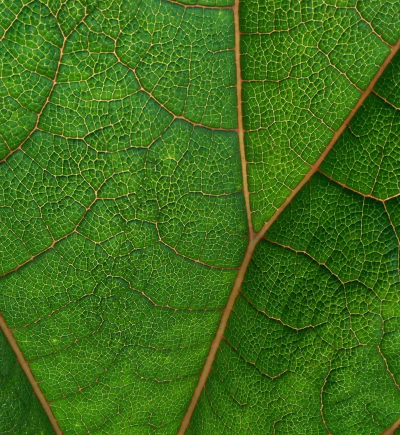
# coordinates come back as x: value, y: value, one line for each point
x: 255, y: 237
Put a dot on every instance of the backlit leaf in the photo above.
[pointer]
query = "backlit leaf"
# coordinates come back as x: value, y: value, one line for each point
x: 199, y: 217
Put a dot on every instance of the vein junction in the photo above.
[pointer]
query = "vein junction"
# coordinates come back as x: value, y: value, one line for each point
x: 126, y: 176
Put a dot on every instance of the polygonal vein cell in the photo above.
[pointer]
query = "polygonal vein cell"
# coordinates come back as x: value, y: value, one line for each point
x: 125, y: 209
x: 313, y: 335
x: 304, y: 66
x: 123, y: 222
x: 20, y: 411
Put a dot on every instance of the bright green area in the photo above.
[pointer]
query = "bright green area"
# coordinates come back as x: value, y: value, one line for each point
x: 183, y: 56
x: 29, y: 55
x: 312, y: 344
x: 107, y: 354
x: 303, y: 68
x: 20, y: 410
x: 122, y: 217
x: 130, y: 218
x: 367, y: 154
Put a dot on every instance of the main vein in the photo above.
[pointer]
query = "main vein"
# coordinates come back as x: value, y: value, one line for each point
x: 27, y: 370
x: 392, y: 428
x: 254, y: 238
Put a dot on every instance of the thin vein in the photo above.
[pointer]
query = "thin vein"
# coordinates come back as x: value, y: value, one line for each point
x: 276, y: 319
x: 254, y: 238
x: 253, y: 364
x: 314, y: 168
x: 14, y: 19
x: 54, y: 82
x: 52, y: 245
x: 385, y: 100
x: 321, y: 410
x: 27, y: 370
x: 163, y: 106
x: 250, y: 247
x: 387, y: 366
x: 198, y: 6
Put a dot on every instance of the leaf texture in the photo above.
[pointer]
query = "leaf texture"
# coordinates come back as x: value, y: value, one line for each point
x: 20, y: 411
x: 140, y: 171
x: 312, y: 344
x: 304, y: 67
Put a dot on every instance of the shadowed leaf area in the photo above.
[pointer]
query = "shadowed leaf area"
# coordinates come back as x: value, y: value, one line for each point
x: 127, y: 183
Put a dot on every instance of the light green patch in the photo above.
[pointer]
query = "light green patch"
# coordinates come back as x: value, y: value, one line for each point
x: 123, y: 219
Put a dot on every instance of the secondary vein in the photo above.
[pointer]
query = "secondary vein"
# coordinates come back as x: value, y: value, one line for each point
x: 254, y: 238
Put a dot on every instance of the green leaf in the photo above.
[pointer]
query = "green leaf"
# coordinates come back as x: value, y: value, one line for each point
x: 199, y: 217
x: 20, y: 410
x: 315, y: 327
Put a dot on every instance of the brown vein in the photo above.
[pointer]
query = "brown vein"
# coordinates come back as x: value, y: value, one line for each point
x: 196, y: 5
x: 250, y: 247
x: 162, y: 105
x: 314, y: 168
x: 27, y: 370
x: 242, y: 150
x: 392, y: 428
x: 54, y: 82
x: 254, y: 238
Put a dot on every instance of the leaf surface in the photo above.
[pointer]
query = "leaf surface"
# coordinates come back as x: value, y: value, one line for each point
x: 20, y: 411
x: 159, y: 273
